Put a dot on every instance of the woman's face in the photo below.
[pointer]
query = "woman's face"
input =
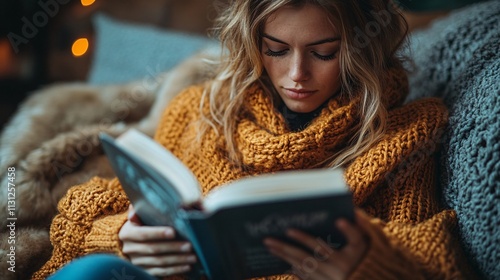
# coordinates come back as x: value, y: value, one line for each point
x: 300, y: 54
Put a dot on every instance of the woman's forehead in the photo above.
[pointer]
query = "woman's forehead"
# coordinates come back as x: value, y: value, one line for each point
x: 308, y: 21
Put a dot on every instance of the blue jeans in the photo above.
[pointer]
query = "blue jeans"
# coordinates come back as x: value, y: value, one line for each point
x: 101, y: 267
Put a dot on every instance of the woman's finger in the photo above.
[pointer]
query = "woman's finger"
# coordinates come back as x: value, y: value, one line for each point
x: 131, y: 232
x: 167, y: 271
x: 290, y: 254
x: 331, y: 263
x: 163, y: 260
x: 356, y: 240
x: 325, y: 262
x: 155, y: 248
x: 303, y: 265
x: 319, y: 248
x: 363, y: 221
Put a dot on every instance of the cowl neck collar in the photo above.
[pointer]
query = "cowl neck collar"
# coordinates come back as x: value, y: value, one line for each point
x: 267, y: 144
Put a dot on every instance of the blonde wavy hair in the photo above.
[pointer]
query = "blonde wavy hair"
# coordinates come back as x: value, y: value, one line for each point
x: 371, y: 33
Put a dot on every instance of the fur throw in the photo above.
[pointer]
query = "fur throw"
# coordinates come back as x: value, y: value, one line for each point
x: 52, y: 142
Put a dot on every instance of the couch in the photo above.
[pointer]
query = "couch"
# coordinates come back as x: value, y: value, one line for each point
x: 52, y: 140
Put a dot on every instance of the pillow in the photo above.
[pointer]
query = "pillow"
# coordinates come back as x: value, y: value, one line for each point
x: 127, y: 51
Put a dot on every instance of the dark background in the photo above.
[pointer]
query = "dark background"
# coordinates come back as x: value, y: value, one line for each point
x: 32, y: 58
x: 45, y: 57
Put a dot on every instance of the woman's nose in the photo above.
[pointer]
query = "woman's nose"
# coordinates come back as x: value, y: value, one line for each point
x: 298, y: 71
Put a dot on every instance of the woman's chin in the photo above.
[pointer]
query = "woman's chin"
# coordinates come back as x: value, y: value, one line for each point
x: 301, y: 107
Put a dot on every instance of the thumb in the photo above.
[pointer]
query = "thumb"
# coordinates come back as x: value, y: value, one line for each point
x: 364, y: 221
x: 132, y: 216
x: 373, y: 227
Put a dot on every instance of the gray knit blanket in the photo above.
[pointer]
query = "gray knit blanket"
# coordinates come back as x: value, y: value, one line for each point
x: 458, y: 59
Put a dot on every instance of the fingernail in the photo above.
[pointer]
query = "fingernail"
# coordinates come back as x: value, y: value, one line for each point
x: 292, y: 233
x: 191, y: 258
x: 186, y: 247
x: 169, y: 232
x: 341, y: 223
x: 269, y: 242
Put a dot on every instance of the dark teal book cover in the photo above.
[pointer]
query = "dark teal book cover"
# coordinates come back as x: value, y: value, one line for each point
x: 227, y: 232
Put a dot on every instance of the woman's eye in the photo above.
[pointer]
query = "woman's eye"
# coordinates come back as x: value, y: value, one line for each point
x: 269, y: 52
x: 325, y: 57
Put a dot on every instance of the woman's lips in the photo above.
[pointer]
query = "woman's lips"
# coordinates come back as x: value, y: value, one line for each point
x: 294, y: 93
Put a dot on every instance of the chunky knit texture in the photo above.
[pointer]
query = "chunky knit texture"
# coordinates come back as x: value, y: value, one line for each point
x: 458, y: 59
x: 412, y: 236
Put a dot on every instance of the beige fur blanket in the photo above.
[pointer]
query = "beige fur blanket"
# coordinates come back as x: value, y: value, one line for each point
x: 52, y: 142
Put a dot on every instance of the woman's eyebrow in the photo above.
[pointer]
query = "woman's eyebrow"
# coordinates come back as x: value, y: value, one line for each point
x: 319, y: 42
x: 323, y: 41
x: 274, y: 39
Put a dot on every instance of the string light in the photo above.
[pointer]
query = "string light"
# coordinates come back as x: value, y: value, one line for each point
x: 87, y: 2
x: 80, y: 47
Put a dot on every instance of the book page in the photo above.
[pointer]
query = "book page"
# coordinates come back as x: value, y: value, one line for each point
x: 167, y: 164
x: 284, y: 185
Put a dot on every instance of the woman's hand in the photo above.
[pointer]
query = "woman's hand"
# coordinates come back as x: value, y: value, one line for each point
x: 326, y: 262
x: 155, y: 248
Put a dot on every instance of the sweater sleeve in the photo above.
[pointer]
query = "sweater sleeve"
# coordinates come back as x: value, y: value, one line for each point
x: 413, y: 236
x: 407, y: 247
x: 90, y: 217
x: 92, y: 214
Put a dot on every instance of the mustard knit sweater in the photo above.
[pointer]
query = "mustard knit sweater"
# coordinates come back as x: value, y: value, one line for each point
x: 394, y: 181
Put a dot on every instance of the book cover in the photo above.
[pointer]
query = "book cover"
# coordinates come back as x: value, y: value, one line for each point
x: 228, y: 230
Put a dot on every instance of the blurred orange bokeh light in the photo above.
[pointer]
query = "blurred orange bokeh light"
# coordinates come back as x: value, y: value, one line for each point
x: 87, y: 2
x: 80, y: 47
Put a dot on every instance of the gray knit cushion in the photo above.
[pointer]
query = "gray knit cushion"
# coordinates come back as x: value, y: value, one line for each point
x: 458, y: 59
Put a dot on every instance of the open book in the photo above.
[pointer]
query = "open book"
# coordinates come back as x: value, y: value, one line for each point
x: 227, y: 226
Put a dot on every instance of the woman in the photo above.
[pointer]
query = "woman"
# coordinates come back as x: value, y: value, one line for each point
x: 304, y: 84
